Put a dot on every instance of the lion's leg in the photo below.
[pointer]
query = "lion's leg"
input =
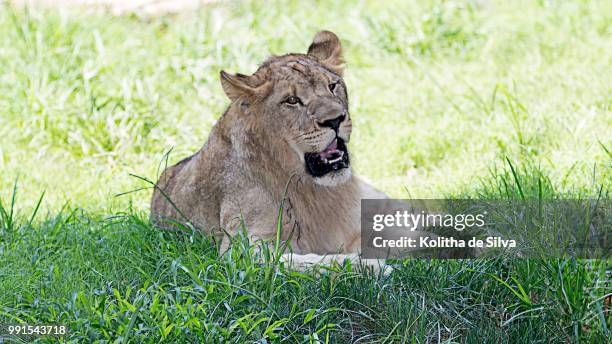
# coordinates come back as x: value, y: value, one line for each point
x: 303, y: 262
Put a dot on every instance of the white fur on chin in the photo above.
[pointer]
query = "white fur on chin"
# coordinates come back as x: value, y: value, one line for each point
x: 334, y: 178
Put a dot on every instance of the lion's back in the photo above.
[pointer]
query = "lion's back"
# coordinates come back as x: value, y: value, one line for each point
x: 163, y: 204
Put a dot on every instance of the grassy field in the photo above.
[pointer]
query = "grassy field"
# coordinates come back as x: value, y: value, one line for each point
x: 449, y: 99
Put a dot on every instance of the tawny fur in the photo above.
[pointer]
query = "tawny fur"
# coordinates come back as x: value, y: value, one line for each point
x: 257, y: 147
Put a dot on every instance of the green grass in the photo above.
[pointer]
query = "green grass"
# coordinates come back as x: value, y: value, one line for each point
x: 118, y: 278
x: 464, y: 99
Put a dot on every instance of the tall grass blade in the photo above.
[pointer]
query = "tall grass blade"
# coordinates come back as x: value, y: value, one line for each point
x: 516, y: 179
x: 36, y: 209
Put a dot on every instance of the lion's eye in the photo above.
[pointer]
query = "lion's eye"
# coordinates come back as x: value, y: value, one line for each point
x: 332, y: 86
x: 293, y: 100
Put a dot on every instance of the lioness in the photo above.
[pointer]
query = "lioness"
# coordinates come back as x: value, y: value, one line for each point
x: 287, y: 123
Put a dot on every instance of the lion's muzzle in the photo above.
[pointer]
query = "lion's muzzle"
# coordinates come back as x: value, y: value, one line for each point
x: 333, y: 158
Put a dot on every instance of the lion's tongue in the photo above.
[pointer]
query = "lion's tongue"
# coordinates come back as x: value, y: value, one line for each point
x: 330, y: 150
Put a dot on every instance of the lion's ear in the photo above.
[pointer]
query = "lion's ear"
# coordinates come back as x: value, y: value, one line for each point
x: 327, y: 49
x: 241, y: 86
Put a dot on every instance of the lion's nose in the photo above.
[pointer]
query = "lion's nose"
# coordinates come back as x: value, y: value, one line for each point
x: 333, y: 123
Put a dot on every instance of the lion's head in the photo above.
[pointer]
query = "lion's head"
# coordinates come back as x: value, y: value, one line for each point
x: 302, y: 99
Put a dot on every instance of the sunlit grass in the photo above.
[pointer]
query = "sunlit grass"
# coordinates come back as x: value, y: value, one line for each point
x: 440, y: 93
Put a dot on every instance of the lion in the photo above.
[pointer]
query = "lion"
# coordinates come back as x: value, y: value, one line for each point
x: 285, y: 134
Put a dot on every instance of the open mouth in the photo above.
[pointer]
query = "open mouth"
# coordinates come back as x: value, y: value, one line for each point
x: 333, y: 158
